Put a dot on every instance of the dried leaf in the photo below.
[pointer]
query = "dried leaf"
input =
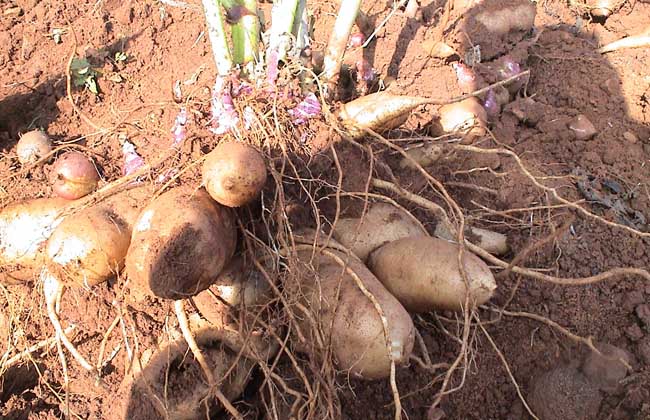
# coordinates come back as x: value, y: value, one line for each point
x: 438, y: 49
x: 115, y: 77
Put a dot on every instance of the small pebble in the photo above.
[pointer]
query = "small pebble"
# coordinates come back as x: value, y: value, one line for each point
x: 610, y: 155
x: 17, y: 11
x: 582, y: 128
x: 630, y: 136
x: 613, y: 86
x: 435, y: 414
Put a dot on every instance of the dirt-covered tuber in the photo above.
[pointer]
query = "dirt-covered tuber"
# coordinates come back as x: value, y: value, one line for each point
x: 180, y: 243
x: 382, y: 223
x: 25, y: 227
x: 466, y: 117
x: 424, y: 275
x: 170, y: 384
x: 349, y: 320
x: 234, y: 174
x: 33, y: 146
x: 89, y: 247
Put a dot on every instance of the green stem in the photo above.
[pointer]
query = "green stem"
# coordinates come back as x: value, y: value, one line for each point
x: 339, y: 38
x: 245, y: 34
x: 217, y: 36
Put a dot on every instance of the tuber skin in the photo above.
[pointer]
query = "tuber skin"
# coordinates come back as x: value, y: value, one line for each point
x: 348, y: 320
x: 180, y: 243
x: 424, y: 275
x: 234, y: 174
x: 33, y: 146
x: 25, y: 227
x: 73, y: 176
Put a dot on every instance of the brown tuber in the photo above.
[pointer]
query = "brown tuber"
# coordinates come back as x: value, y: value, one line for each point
x: 423, y: 274
x: 233, y: 307
x: 168, y: 384
x: 437, y: 49
x: 423, y: 155
x: 241, y: 285
x: 493, y: 242
x: 467, y: 117
x: 180, y: 243
x: 89, y: 247
x: 234, y: 174
x: 25, y: 227
x: 73, y: 176
x: 348, y: 320
x: 33, y: 146
x: 382, y: 223
x: 378, y: 112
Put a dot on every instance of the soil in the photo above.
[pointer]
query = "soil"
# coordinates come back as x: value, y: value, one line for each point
x: 607, y: 173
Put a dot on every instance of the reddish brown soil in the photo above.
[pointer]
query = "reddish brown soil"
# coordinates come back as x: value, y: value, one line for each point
x: 567, y: 77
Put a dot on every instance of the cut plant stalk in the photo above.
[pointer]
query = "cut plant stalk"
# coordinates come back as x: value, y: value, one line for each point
x: 283, y: 15
x: 339, y: 39
x: 217, y: 35
x: 301, y: 26
x: 245, y: 32
x: 301, y: 31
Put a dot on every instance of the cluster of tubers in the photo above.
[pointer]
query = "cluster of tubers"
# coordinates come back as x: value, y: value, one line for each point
x: 173, y: 246
x: 382, y: 111
x: 388, y: 255
x: 361, y: 285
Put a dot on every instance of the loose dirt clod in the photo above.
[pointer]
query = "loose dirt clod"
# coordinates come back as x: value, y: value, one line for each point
x: 608, y: 369
x: 564, y: 394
